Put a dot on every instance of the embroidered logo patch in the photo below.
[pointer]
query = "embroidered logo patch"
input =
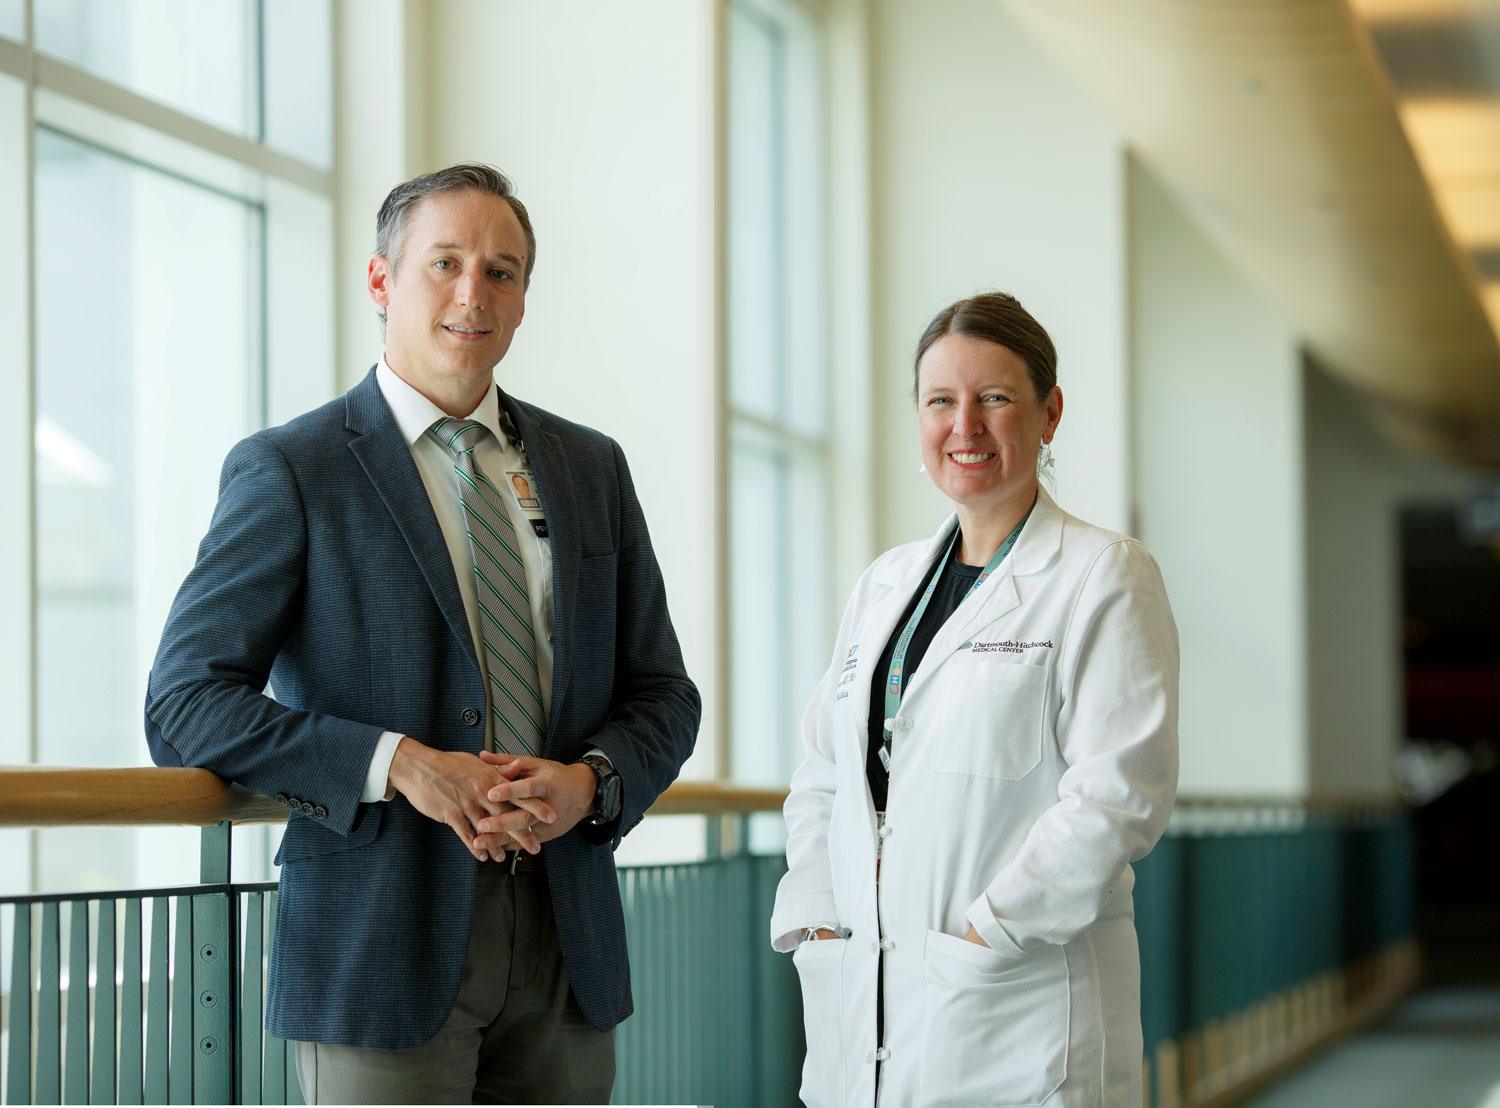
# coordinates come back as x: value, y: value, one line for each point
x: 1010, y: 646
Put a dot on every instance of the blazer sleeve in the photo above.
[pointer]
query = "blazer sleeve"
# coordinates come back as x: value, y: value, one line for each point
x: 1117, y: 731
x: 653, y: 720
x: 206, y: 703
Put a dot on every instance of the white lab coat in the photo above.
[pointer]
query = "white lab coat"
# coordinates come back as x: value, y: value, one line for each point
x: 1035, y: 757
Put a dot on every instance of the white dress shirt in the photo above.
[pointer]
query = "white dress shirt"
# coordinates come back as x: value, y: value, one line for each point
x: 495, y: 455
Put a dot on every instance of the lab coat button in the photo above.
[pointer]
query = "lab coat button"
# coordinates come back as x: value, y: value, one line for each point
x: 887, y: 944
x: 882, y: 1055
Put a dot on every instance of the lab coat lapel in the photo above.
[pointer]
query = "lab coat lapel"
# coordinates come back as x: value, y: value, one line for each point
x: 554, y: 482
x: 381, y: 449
x: 1035, y: 549
x: 900, y: 580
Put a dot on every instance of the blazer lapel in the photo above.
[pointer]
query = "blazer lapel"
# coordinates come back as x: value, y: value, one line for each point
x: 554, y: 482
x: 383, y: 452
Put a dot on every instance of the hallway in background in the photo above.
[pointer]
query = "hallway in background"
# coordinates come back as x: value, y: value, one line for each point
x: 1440, y: 1049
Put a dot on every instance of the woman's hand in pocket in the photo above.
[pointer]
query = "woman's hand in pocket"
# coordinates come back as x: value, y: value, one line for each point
x: 972, y: 936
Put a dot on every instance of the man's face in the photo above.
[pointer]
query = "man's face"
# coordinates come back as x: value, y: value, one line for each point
x: 456, y: 294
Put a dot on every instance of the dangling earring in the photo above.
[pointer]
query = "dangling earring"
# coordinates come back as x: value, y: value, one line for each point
x: 1046, y: 455
x: 922, y: 467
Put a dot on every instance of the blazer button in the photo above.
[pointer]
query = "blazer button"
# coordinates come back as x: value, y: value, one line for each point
x: 320, y: 812
x: 307, y: 808
x: 281, y: 798
x: 294, y: 804
x: 471, y: 716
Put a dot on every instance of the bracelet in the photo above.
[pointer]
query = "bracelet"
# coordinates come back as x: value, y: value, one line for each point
x: 810, y: 934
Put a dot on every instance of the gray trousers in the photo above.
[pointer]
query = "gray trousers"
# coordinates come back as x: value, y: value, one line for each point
x: 515, y: 1036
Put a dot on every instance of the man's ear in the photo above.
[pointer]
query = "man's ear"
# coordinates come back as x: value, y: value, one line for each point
x: 378, y: 279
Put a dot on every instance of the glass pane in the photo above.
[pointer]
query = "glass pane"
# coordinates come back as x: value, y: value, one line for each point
x: 762, y: 722
x: 756, y: 335
x: 15, y: 430
x: 299, y: 79
x: 197, y: 56
x: 804, y: 273
x: 13, y: 19
x: 781, y: 630
x: 140, y: 393
x: 15, y: 495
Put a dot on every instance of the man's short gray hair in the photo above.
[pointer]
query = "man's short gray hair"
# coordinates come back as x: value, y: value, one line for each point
x: 390, y: 224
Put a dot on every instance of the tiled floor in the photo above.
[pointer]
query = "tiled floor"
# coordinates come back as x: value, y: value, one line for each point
x: 1439, y: 1050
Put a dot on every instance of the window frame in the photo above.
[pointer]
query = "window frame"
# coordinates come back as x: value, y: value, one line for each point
x: 294, y: 201
x: 802, y: 182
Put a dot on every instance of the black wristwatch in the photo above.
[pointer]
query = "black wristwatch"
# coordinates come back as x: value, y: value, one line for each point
x: 609, y: 790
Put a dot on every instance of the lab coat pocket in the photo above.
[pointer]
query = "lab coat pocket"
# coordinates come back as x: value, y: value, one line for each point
x: 820, y: 967
x: 996, y: 1027
x: 991, y: 719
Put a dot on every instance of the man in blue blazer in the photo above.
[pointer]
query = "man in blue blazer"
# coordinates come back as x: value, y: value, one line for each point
x: 477, y: 687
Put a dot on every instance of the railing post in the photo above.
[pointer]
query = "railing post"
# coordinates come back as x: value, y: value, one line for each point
x: 213, y: 855
x: 713, y: 837
x: 215, y: 945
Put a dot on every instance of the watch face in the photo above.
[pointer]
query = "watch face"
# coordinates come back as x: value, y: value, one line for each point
x: 608, y: 794
x: 610, y: 801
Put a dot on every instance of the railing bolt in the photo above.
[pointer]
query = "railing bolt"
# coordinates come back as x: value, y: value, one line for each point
x: 208, y: 999
x: 208, y: 953
x: 207, y: 1045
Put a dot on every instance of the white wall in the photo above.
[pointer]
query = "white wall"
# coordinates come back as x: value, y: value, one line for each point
x: 1356, y: 484
x: 379, y: 48
x: 1218, y: 445
x: 17, y: 663
x: 992, y: 171
x: 603, y: 115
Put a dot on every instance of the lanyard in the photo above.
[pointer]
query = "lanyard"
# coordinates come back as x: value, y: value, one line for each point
x: 894, y: 680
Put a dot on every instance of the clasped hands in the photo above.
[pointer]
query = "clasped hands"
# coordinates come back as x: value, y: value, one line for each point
x: 495, y: 803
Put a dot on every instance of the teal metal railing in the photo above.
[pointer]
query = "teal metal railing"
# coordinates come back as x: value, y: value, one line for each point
x: 1263, y: 927
x: 138, y: 997
x: 1259, y: 924
x: 171, y: 1002
x: 718, y: 1013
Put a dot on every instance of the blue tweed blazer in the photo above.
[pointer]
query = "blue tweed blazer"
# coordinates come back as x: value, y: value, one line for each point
x: 324, y: 572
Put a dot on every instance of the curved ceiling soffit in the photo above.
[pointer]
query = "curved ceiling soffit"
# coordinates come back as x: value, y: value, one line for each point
x: 1275, y: 125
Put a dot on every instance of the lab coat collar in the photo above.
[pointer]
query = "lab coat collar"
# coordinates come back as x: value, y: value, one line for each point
x: 1040, y: 539
x: 1035, y: 549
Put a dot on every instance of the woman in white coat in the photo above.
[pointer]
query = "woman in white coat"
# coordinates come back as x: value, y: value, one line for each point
x: 994, y: 743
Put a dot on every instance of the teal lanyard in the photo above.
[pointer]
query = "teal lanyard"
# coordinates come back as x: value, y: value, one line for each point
x: 894, y: 680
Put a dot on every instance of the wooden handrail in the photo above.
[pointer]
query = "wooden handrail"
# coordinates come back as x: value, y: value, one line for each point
x: 45, y: 796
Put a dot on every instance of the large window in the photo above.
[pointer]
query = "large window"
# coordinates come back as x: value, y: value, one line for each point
x: 779, y: 451
x: 168, y: 209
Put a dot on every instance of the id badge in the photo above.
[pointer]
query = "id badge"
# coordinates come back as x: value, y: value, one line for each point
x: 523, y: 489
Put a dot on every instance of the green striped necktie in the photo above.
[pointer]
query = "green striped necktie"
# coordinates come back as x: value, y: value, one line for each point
x: 515, y: 718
